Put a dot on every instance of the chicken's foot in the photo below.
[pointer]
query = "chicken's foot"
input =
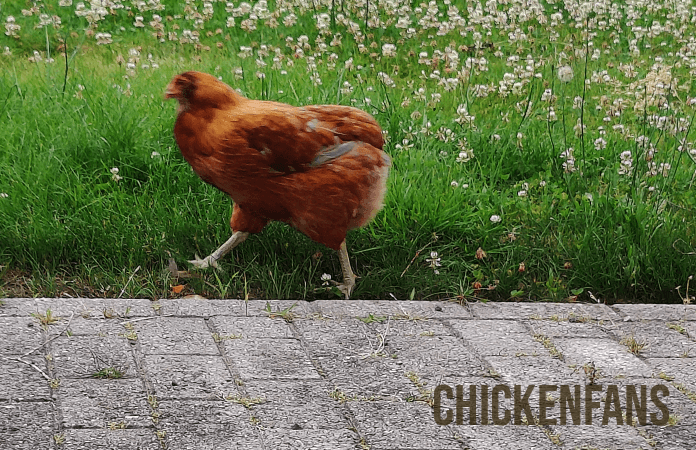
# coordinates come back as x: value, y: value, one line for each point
x: 348, y: 275
x: 211, y: 260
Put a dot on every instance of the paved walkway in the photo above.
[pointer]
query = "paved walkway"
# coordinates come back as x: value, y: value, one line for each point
x: 225, y: 374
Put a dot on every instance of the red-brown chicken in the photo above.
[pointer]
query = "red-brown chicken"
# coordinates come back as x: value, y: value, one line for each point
x: 320, y: 169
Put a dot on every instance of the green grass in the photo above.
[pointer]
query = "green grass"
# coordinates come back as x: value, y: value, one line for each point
x: 68, y: 227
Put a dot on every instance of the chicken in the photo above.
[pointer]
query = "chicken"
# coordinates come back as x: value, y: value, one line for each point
x: 321, y: 169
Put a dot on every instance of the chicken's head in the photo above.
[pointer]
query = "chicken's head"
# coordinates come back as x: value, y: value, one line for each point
x: 200, y: 90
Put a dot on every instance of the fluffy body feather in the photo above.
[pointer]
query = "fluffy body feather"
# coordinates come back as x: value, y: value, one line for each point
x: 320, y: 169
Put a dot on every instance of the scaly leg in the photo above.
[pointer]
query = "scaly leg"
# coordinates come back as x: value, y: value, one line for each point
x: 348, y: 276
x: 211, y: 260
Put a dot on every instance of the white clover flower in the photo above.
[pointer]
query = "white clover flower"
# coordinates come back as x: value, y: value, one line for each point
x: 454, y: 184
x: 600, y: 144
x: 326, y: 278
x: 626, y: 164
x: 434, y: 262
x: 114, y: 174
x: 664, y: 169
x: 290, y: 20
x: 154, y: 154
x: 3, y: 195
x: 103, y: 38
x: 565, y: 73
x: 495, y: 218
x: 522, y: 193
x: 389, y: 50
x: 386, y: 79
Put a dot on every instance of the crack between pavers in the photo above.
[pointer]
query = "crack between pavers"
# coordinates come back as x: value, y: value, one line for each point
x: 236, y: 375
x: 347, y: 414
x: 151, y: 395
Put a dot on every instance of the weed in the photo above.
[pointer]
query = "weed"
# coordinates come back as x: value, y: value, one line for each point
x: 634, y: 345
x: 247, y: 402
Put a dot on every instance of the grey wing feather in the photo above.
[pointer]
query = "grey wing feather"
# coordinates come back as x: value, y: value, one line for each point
x: 333, y: 152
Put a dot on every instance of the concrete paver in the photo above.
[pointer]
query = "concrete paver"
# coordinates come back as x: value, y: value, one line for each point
x: 228, y: 374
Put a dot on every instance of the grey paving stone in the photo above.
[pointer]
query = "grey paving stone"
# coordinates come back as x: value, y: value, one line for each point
x: 678, y: 437
x: 404, y: 426
x: 433, y: 355
x: 80, y: 356
x: 20, y: 335
x: 21, y: 441
x: 351, y: 353
x: 690, y: 328
x: 660, y: 340
x: 482, y: 437
x: 20, y: 381
x: 609, y: 356
x: 94, y: 403
x: 26, y: 425
x: 357, y: 377
x: 175, y: 335
x: 229, y: 327
x: 610, y: 437
x: 270, y: 359
x: 258, y: 307
x: 80, y: 326
x: 286, y: 439
x: 498, y: 337
x: 15, y: 307
x: 635, y: 313
x: 555, y: 329
x: 93, y: 307
x: 521, y: 311
x: 212, y: 437
x: 208, y: 425
x: 126, y: 439
x: 388, y: 308
x: 200, y: 307
x: 345, y: 337
x: 296, y: 404
x: 189, y: 376
x: 424, y: 328
x: 534, y: 370
x: 682, y: 370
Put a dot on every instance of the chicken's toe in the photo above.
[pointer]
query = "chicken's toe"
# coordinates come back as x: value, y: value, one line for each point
x: 346, y: 288
x: 204, y: 263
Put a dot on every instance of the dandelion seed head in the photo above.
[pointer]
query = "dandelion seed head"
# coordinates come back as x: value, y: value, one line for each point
x: 565, y: 73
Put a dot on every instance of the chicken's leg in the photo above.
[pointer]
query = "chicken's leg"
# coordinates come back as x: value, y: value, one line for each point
x: 348, y: 276
x: 211, y: 260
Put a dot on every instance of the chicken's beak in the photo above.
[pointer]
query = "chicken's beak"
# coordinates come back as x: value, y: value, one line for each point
x: 171, y: 92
